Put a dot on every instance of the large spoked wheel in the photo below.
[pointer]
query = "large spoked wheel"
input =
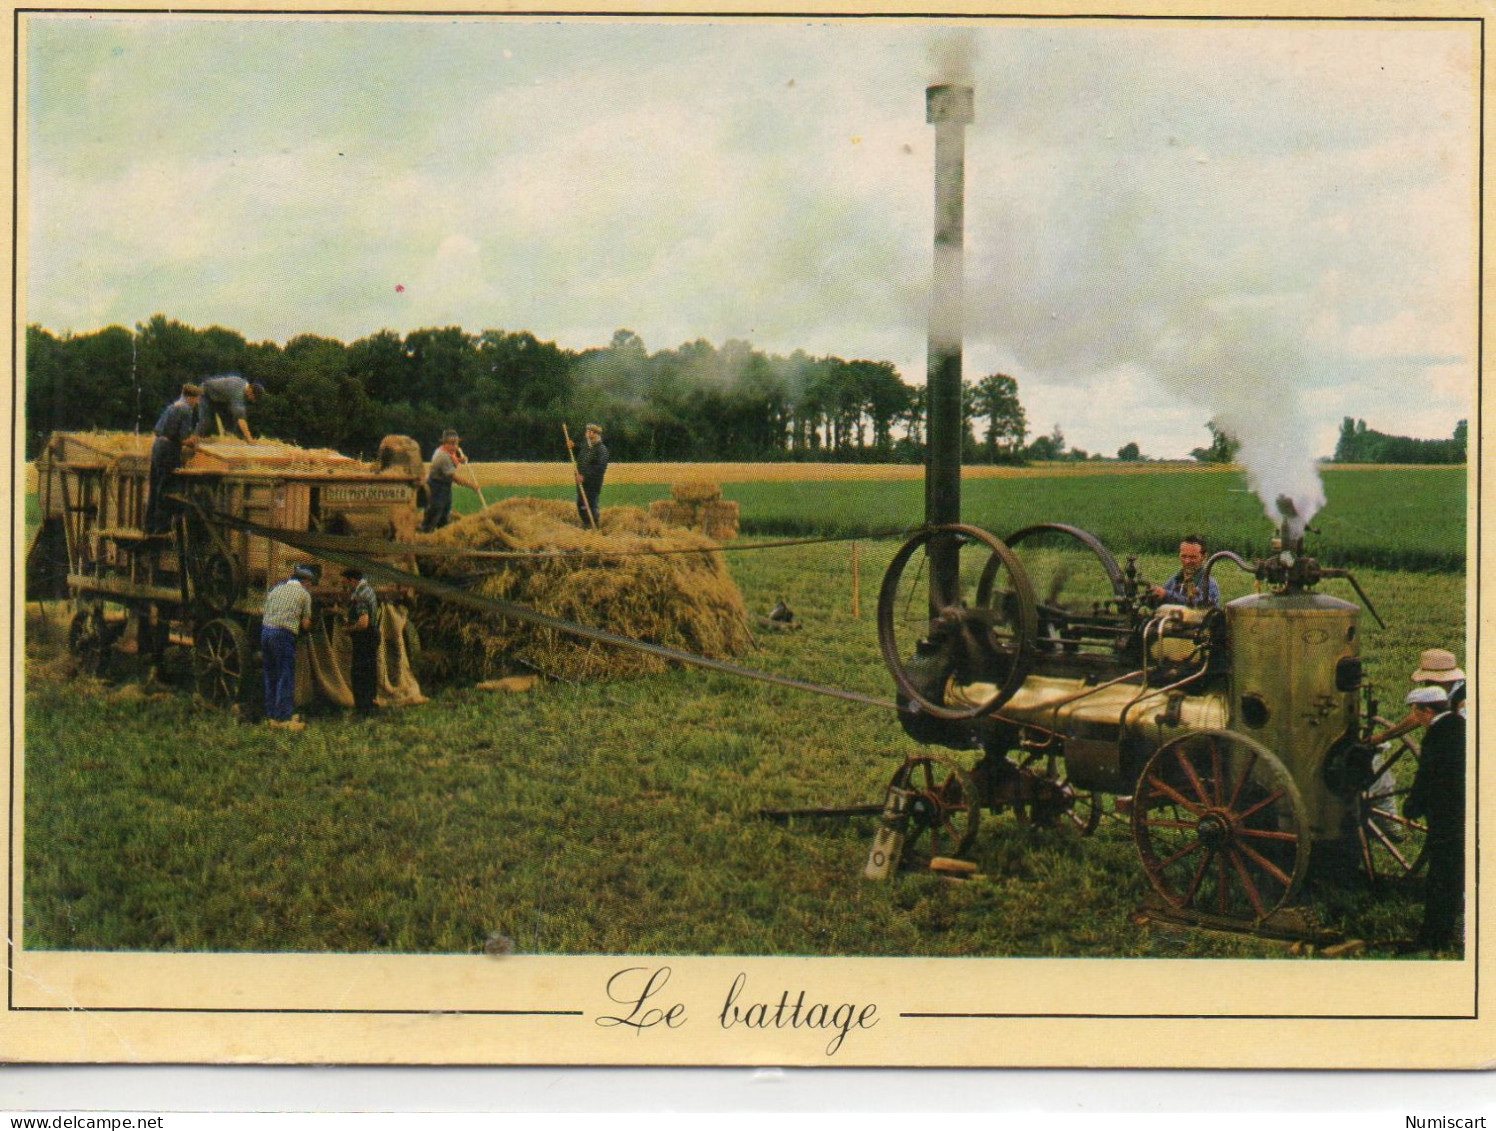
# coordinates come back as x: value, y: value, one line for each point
x: 220, y: 661
x: 956, y: 656
x: 1392, y: 845
x: 1220, y: 827
x: 943, y: 809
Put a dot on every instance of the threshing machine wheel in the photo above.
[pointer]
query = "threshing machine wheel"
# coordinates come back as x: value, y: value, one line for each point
x: 987, y: 639
x: 220, y: 661
x: 218, y: 580
x: 87, y: 641
x: 1056, y: 800
x: 943, y: 808
x: 1391, y: 843
x: 1059, y: 534
x: 1220, y: 827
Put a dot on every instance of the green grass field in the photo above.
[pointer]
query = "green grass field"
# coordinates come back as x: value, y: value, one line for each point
x: 622, y: 818
x: 1395, y: 518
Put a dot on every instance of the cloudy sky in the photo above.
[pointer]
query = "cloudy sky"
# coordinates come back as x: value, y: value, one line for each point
x: 1166, y: 220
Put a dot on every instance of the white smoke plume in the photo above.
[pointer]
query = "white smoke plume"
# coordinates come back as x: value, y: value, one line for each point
x: 1242, y: 363
x: 953, y: 55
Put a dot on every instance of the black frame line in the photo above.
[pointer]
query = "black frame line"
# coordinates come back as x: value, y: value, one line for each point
x: 16, y: 802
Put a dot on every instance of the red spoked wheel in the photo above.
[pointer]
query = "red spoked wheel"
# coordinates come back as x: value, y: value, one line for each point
x: 942, y: 806
x: 1220, y: 826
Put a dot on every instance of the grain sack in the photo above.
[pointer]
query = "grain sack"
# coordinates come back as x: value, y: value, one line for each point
x: 606, y: 578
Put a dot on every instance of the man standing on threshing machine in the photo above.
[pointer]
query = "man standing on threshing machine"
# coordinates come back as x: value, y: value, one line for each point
x: 1184, y: 587
x: 1438, y: 797
x: 446, y: 466
x: 288, y: 611
x: 225, y: 406
x: 174, y: 431
x: 363, y: 630
x: 592, y: 465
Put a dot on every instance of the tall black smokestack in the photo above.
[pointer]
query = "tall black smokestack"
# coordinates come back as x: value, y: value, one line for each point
x: 949, y: 109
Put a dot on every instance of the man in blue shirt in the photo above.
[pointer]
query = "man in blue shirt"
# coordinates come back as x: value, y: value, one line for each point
x: 1184, y: 587
x: 174, y: 429
x: 225, y: 406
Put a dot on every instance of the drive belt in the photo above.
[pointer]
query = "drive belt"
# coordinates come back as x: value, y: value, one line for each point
x: 318, y: 544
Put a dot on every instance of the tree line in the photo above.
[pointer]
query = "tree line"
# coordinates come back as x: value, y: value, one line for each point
x: 1360, y: 444
x: 509, y: 392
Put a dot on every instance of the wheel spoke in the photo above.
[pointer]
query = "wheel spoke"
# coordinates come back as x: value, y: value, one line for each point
x: 1174, y: 858
x: 1241, y: 782
x: 1197, y: 879
x: 1174, y: 795
x: 1221, y: 881
x: 1265, y: 864
x: 1259, y: 806
x: 1215, y: 769
x: 1247, y: 886
x: 1268, y: 834
x: 1189, y: 772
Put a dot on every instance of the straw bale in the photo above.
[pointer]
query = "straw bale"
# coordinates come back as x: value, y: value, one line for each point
x: 719, y: 520
x: 400, y: 454
x: 685, y: 601
x: 695, y: 491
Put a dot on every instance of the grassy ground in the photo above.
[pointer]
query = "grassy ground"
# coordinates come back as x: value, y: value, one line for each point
x: 613, y: 818
x: 572, y: 819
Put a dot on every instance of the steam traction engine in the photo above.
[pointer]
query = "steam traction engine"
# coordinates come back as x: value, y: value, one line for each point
x: 1239, y: 734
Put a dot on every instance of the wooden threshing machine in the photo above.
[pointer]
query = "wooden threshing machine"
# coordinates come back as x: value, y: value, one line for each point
x: 1240, y: 735
x: 202, y: 584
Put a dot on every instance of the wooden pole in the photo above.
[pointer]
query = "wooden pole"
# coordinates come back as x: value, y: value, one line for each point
x: 856, y: 588
x: 462, y: 455
x: 572, y: 451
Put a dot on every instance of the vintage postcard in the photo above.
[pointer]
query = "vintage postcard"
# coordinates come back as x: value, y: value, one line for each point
x: 745, y: 537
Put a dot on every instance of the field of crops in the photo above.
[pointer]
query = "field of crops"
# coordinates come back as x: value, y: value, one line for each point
x: 1396, y: 518
x: 623, y: 817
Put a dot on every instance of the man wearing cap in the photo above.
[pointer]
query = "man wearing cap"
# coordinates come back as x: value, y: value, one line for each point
x: 174, y: 431
x: 363, y: 630
x: 1438, y: 666
x: 287, y: 612
x: 225, y: 406
x: 446, y: 466
x: 1438, y: 798
x: 592, y: 465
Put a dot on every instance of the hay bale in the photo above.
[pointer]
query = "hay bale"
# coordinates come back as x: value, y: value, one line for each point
x: 400, y: 454
x: 684, y: 601
x: 695, y: 491
x: 719, y: 520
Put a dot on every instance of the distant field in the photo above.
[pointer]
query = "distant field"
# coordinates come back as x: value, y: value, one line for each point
x: 1395, y: 518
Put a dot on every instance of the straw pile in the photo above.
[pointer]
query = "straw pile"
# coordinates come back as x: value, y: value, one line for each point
x: 697, y: 504
x: 682, y: 601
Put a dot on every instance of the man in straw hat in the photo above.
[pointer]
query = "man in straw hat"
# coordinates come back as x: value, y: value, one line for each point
x: 592, y: 465
x: 1437, y: 666
x: 446, y: 467
x: 1438, y: 797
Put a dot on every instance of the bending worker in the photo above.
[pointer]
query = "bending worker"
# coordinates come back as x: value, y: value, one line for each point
x: 225, y: 406
x: 174, y: 431
x: 592, y: 465
x: 446, y: 466
x: 287, y: 613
